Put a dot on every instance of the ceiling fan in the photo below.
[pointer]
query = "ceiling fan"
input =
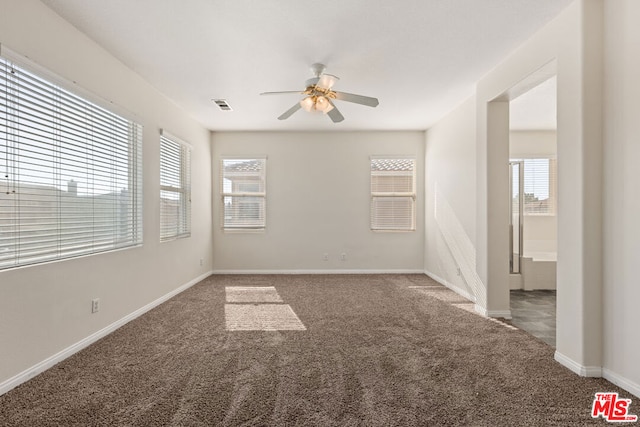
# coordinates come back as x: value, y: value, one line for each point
x: 319, y: 96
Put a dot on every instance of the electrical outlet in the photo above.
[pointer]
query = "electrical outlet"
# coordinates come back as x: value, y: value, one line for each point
x: 95, y: 305
x: 343, y: 257
x: 459, y: 272
x: 325, y: 257
x: 201, y: 262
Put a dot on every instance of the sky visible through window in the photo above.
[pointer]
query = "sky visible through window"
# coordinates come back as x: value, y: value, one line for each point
x: 43, y: 126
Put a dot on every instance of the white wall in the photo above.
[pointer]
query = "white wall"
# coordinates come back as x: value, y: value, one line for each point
x: 621, y: 293
x: 450, y: 174
x: 573, y: 42
x: 597, y: 287
x: 318, y: 201
x: 532, y: 143
x: 540, y: 231
x: 45, y: 309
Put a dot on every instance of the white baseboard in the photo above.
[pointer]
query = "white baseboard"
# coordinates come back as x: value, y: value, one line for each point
x: 480, y: 309
x: 622, y: 382
x: 42, y: 366
x: 359, y: 271
x: 505, y: 314
x: 454, y: 288
x: 575, y: 367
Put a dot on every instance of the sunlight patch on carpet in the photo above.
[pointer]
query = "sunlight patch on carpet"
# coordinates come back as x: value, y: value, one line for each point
x: 252, y: 294
x: 261, y: 317
x: 468, y: 306
x: 442, y: 293
x: 447, y: 295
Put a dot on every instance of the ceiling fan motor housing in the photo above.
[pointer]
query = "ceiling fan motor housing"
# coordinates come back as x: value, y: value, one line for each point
x: 317, y: 69
x: 312, y: 81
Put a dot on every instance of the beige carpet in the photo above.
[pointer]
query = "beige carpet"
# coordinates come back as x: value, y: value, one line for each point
x: 380, y: 350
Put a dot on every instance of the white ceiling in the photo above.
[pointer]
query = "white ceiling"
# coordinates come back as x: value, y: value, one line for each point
x: 420, y: 58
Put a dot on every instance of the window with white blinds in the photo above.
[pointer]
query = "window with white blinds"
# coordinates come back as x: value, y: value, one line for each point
x: 393, y: 194
x: 540, y: 186
x: 175, y: 188
x: 70, y: 180
x: 243, y: 193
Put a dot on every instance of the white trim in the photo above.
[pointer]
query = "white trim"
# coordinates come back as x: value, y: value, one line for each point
x: 68, y: 84
x: 481, y: 310
x: 47, y: 363
x: 575, y: 367
x: 505, y: 314
x: 318, y: 271
x: 622, y: 382
x: 177, y: 140
x: 458, y: 290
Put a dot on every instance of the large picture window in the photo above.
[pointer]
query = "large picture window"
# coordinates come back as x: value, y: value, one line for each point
x: 243, y: 193
x: 175, y: 188
x: 70, y: 173
x: 393, y: 194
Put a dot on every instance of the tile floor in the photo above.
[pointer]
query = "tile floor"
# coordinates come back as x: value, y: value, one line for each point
x: 535, y: 313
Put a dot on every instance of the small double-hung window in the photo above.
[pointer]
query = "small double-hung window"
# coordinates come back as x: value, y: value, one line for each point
x: 393, y: 194
x: 175, y: 187
x: 243, y: 193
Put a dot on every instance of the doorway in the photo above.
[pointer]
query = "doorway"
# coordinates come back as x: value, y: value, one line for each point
x: 533, y: 210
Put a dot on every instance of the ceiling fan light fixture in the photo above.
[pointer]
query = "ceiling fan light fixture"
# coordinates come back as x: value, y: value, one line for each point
x: 320, y: 96
x: 308, y: 103
x: 322, y: 104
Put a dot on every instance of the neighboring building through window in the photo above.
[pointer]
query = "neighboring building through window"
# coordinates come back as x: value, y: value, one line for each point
x: 70, y: 173
x: 243, y: 193
x: 540, y: 186
x: 175, y: 187
x: 393, y: 194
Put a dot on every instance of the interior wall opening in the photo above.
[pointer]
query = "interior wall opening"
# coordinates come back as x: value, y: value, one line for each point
x: 533, y: 210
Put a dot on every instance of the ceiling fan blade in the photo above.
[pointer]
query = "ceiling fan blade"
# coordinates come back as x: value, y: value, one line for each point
x: 290, y: 111
x: 281, y: 92
x: 335, y: 115
x: 358, y: 99
x: 327, y: 81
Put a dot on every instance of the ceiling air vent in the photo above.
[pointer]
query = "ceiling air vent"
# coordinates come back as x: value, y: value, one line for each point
x: 222, y: 103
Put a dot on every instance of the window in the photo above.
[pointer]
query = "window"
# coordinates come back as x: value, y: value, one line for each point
x: 175, y: 188
x: 393, y: 194
x: 243, y: 193
x: 539, y: 177
x: 70, y: 180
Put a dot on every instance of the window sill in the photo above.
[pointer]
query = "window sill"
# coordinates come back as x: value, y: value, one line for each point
x: 243, y: 230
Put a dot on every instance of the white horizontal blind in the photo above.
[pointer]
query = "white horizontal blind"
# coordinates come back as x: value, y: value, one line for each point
x: 540, y: 186
x: 393, y: 194
x: 243, y: 193
x: 70, y: 173
x: 175, y: 188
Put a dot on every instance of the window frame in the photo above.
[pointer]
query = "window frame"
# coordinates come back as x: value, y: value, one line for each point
x: 181, y: 228
x: 552, y: 181
x: 261, y: 223
x: 375, y: 195
x: 41, y: 118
